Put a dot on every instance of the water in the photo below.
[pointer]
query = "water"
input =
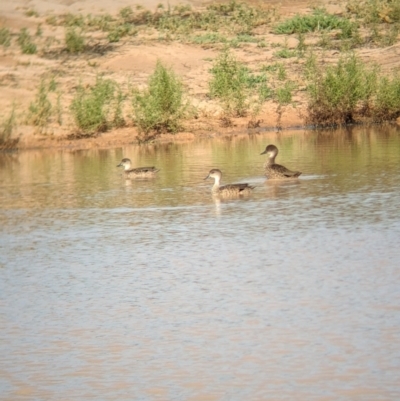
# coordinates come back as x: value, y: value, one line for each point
x: 114, y: 289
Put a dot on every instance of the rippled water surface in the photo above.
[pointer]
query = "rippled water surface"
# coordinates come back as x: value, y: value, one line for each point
x: 114, y: 289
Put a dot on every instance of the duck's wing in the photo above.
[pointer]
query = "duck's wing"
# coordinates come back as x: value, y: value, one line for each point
x: 284, y: 171
x: 236, y: 187
x: 142, y: 170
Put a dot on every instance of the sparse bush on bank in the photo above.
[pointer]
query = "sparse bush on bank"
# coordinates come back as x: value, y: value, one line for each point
x: 336, y: 94
x: 239, y: 90
x: 97, y: 108
x: 387, y: 99
x: 5, y: 37
x: 375, y: 11
x: 228, y: 83
x: 40, y: 110
x: 161, y: 107
x: 320, y: 20
x: 74, y: 41
x: 25, y: 42
x: 6, y: 130
x: 350, y: 91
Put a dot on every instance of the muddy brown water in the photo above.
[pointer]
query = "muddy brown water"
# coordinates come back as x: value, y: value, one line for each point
x: 114, y: 289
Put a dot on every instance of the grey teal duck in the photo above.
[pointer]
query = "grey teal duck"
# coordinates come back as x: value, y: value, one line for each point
x: 274, y: 170
x: 227, y: 190
x: 139, y: 172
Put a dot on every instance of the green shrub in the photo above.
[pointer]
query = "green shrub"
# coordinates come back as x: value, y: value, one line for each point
x: 118, y: 32
x: 229, y: 84
x: 375, y: 11
x: 31, y: 13
x: 5, y: 37
x: 7, y: 128
x: 283, y: 94
x: 74, y: 41
x: 285, y: 53
x: 161, y: 107
x: 318, y: 21
x: 208, y: 38
x: 126, y: 13
x: 40, y: 110
x: 25, y: 42
x: 238, y: 89
x: 72, y: 20
x: 94, y: 108
x: 336, y: 95
x: 387, y: 99
x: 233, y: 17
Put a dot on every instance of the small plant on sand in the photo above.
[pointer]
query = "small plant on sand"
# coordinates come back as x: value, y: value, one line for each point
x: 320, y: 20
x: 375, y: 11
x: 228, y: 83
x: 31, y: 13
x: 283, y: 94
x: 25, y: 42
x: 387, y: 99
x: 337, y: 94
x: 160, y: 107
x: 40, y: 110
x: 95, y: 108
x: 74, y: 41
x: 6, y: 130
x: 117, y: 32
x: 5, y: 37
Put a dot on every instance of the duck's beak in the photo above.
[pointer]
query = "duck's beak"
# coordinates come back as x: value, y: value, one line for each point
x: 119, y: 165
x: 207, y: 176
x: 263, y: 153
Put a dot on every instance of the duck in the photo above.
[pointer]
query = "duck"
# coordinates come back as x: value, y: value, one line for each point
x: 139, y: 172
x: 230, y: 189
x: 273, y: 170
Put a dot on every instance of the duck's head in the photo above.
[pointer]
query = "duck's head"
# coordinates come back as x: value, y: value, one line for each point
x: 125, y: 163
x: 214, y: 173
x: 270, y: 150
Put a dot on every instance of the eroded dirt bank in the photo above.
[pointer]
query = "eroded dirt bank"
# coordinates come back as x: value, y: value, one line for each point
x: 132, y: 60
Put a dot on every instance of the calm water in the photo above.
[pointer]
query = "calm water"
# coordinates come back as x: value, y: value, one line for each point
x: 114, y: 289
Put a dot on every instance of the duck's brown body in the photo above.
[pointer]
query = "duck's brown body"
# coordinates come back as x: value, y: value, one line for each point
x: 230, y: 189
x: 274, y: 170
x: 139, y: 172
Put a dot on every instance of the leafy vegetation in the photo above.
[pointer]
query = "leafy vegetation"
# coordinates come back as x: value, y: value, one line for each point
x: 387, y: 99
x: 97, y: 108
x: 40, y: 110
x: 234, y: 84
x: 351, y: 90
x: 228, y: 83
x: 6, y: 130
x: 320, y: 20
x: 160, y: 107
x: 74, y: 41
x: 5, y: 37
x: 375, y: 11
x: 25, y: 42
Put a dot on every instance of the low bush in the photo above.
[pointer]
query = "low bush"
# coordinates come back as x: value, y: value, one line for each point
x: 387, y: 99
x: 337, y: 94
x: 160, y: 107
x: 40, y: 110
x: 74, y: 41
x: 229, y: 83
x: 6, y: 130
x: 318, y: 21
x: 96, y: 108
x: 5, y: 37
x: 375, y: 11
x: 25, y: 42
